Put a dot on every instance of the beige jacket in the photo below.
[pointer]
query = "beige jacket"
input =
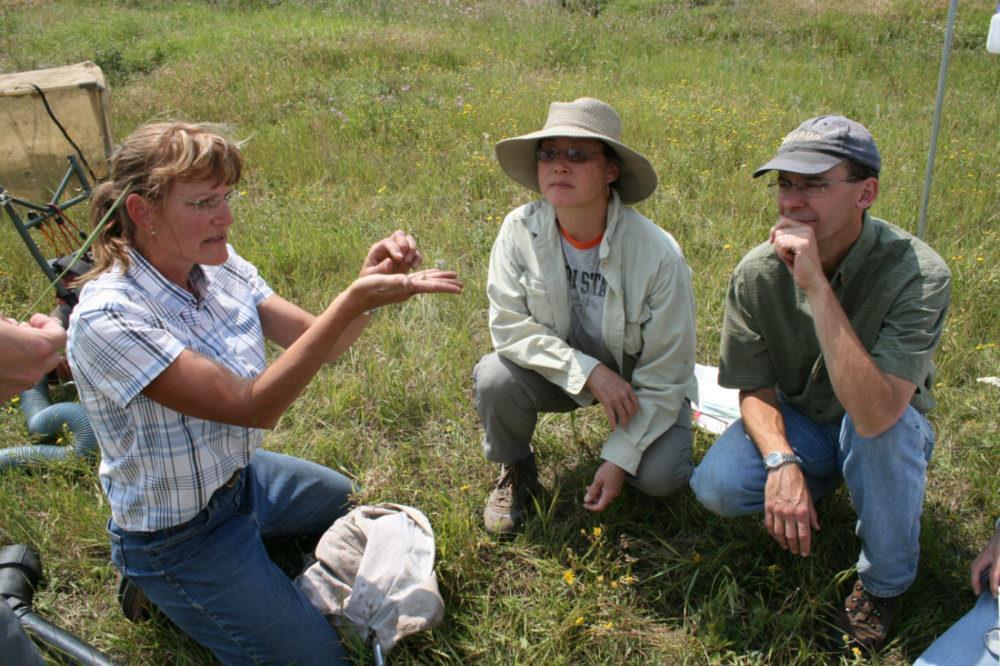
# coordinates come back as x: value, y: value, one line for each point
x: 649, y: 315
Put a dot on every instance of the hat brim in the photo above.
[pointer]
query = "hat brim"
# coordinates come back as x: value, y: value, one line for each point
x: 805, y: 162
x: 516, y: 156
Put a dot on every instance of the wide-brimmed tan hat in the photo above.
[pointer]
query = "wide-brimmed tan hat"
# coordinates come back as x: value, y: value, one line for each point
x: 584, y: 118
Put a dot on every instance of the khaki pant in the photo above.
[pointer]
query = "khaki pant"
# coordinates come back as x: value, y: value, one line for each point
x: 509, y: 399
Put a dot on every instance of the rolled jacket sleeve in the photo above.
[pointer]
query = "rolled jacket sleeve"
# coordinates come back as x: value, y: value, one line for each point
x: 664, y: 373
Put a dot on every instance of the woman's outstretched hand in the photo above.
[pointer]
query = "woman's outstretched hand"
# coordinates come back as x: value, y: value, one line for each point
x: 396, y: 254
x: 377, y: 289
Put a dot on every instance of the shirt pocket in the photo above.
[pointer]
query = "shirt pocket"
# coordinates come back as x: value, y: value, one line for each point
x: 538, y: 299
x: 635, y: 317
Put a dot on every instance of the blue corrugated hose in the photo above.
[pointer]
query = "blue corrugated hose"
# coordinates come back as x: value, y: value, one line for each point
x: 48, y: 420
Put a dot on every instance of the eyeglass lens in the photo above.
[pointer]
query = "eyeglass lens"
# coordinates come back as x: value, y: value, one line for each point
x: 574, y: 155
x: 214, y: 201
x: 806, y: 189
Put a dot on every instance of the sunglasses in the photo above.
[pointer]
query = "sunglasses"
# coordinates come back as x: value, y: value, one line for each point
x: 572, y: 155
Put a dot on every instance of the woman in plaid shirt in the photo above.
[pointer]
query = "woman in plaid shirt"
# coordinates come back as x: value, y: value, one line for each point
x: 167, y: 349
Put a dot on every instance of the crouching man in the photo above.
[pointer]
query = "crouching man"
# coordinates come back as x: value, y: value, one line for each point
x: 829, y: 332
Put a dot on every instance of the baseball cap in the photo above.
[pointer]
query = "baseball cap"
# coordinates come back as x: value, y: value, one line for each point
x: 821, y: 143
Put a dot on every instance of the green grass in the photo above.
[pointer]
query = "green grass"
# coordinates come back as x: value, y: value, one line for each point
x: 368, y: 116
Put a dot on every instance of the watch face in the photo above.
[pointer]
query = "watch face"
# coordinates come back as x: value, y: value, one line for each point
x: 993, y: 641
x: 772, y: 459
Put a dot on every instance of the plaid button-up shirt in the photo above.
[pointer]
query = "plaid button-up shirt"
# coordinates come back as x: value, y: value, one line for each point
x: 160, y: 467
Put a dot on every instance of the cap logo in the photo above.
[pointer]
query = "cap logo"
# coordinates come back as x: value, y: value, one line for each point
x: 802, y: 135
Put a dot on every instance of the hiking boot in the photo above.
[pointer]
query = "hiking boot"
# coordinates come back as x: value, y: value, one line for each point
x: 867, y: 619
x: 136, y: 606
x: 508, y: 503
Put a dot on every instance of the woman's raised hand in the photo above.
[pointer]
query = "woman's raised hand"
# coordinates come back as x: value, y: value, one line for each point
x: 385, y: 277
x: 376, y: 289
x: 396, y: 254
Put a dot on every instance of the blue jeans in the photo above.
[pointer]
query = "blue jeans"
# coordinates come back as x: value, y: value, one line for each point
x: 213, y: 578
x: 964, y: 642
x: 885, y: 476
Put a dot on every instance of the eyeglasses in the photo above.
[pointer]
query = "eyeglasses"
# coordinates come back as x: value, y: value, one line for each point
x: 573, y: 155
x: 809, y: 189
x: 213, y: 201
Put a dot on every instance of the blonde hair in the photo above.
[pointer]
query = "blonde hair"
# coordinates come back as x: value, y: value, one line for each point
x: 147, y: 163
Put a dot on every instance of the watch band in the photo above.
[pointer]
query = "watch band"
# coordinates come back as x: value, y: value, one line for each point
x: 775, y: 460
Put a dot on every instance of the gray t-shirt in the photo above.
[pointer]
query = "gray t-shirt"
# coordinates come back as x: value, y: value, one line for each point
x: 587, y: 288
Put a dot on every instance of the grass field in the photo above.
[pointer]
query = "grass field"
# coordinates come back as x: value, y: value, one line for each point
x: 363, y: 117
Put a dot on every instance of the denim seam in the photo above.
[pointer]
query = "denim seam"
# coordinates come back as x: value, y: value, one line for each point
x: 179, y: 588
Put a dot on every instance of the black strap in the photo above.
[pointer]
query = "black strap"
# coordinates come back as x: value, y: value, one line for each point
x: 62, y: 129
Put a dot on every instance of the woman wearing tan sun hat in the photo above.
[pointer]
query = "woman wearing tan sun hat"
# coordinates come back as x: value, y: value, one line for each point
x: 589, y: 301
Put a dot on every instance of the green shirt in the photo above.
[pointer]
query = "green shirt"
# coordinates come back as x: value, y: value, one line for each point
x: 894, y: 290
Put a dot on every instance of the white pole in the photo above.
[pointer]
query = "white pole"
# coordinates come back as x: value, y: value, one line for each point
x: 945, y: 57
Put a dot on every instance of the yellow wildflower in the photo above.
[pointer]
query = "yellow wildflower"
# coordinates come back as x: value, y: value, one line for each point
x: 856, y: 651
x: 772, y: 569
x: 465, y: 488
x: 600, y: 580
x: 598, y: 532
x: 578, y: 621
x: 696, y: 558
x: 569, y: 577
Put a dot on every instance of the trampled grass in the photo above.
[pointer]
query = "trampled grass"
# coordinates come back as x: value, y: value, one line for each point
x: 363, y: 117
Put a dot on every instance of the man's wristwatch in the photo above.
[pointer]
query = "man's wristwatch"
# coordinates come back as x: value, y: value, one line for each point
x: 774, y: 460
